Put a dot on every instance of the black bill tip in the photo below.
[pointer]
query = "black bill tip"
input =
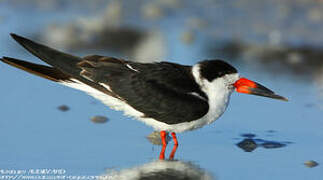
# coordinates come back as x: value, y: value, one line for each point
x: 244, y: 85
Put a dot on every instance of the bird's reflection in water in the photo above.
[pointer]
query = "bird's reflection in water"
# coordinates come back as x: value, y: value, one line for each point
x: 160, y: 169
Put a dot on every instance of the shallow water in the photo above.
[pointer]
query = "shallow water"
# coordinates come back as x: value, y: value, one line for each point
x: 37, y: 135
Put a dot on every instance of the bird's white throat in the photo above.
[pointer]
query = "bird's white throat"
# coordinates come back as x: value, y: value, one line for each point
x: 218, y: 92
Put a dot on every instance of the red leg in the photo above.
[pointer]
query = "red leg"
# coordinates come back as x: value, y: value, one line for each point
x: 163, y: 138
x: 162, y: 153
x: 172, y: 154
x: 174, y: 139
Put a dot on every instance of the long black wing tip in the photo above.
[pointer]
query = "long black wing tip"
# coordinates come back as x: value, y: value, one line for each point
x: 21, y: 40
x: 17, y: 37
x: 14, y: 35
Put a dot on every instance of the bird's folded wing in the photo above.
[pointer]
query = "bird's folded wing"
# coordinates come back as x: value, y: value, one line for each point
x: 164, y: 91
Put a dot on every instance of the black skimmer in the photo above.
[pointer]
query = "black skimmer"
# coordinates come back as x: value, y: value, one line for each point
x: 167, y: 96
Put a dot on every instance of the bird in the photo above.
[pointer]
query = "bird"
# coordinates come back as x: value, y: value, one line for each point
x: 170, y: 97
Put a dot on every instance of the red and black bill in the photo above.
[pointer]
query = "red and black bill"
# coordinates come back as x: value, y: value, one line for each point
x: 244, y: 85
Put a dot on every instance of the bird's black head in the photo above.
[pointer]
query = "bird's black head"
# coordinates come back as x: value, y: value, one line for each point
x: 212, y: 69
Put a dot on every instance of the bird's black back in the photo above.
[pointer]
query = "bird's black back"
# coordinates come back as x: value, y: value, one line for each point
x: 163, y: 91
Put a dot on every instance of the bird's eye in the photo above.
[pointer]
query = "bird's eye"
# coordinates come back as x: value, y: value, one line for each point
x: 231, y: 87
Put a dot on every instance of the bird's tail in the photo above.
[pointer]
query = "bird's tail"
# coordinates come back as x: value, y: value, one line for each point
x: 62, y: 61
x: 64, y: 68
